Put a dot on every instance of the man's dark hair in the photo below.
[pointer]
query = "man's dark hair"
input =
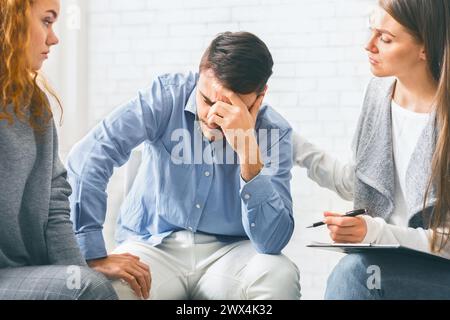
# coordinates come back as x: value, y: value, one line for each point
x: 240, y: 61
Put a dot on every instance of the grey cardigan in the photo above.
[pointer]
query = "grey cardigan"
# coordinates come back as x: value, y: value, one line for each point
x: 374, y: 159
x: 35, y: 227
x: 370, y: 179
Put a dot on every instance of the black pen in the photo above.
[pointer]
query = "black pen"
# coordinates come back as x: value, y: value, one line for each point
x: 353, y: 213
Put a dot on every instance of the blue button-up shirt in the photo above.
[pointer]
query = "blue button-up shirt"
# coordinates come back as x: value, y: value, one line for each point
x: 184, y: 181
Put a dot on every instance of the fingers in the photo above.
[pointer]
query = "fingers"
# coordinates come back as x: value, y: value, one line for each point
x: 138, y: 262
x: 341, y: 221
x: 141, y: 277
x: 220, y: 108
x: 143, y: 266
x: 232, y: 96
x: 217, y: 113
x: 131, y: 256
x: 132, y: 282
x: 127, y: 267
x: 147, y: 277
x: 344, y: 239
x: 332, y: 214
x: 347, y: 229
x: 341, y: 231
x: 137, y: 274
x: 215, y: 119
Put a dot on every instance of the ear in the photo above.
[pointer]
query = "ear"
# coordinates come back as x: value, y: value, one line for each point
x: 265, y: 90
x: 254, y: 110
x: 423, y: 54
x: 263, y: 93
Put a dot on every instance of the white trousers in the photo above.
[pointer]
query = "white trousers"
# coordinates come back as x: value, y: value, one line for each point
x: 197, y: 266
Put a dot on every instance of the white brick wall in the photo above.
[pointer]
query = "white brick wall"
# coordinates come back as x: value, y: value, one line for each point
x: 320, y: 75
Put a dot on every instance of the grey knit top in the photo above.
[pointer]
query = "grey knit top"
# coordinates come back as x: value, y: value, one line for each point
x: 35, y: 228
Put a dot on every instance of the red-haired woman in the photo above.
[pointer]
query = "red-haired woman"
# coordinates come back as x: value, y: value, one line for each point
x: 37, y: 243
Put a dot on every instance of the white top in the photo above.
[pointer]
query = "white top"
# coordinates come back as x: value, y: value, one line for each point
x: 407, y: 127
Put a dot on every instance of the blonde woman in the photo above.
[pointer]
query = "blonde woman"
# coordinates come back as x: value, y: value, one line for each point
x: 401, y: 165
x: 36, y: 238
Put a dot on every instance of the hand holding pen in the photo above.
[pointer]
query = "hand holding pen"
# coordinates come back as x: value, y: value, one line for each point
x: 348, y: 228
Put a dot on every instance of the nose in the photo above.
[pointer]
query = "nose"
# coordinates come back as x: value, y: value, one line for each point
x: 52, y: 39
x: 370, y: 46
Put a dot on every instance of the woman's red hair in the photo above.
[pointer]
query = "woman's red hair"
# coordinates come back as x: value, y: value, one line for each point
x: 21, y: 97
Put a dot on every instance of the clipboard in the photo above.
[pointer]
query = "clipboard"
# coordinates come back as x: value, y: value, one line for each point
x: 349, y: 248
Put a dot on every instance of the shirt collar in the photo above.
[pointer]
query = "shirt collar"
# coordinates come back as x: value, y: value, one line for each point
x: 191, y: 104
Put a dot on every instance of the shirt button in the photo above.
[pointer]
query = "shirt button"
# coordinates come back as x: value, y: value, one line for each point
x: 247, y: 197
x: 198, y: 206
x: 190, y: 229
x: 207, y: 174
x: 253, y: 225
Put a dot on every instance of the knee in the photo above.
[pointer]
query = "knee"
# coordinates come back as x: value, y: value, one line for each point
x: 95, y: 286
x: 272, y: 277
x: 124, y: 291
x: 351, y: 266
x: 349, y: 279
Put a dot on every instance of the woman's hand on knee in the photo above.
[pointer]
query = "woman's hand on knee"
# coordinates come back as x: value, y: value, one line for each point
x: 345, y: 229
x: 126, y: 267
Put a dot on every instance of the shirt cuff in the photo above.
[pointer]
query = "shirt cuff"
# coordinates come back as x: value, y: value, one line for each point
x: 257, y: 191
x: 374, y: 227
x: 92, y: 245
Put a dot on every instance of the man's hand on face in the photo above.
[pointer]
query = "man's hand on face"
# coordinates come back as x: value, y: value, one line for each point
x: 236, y: 120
